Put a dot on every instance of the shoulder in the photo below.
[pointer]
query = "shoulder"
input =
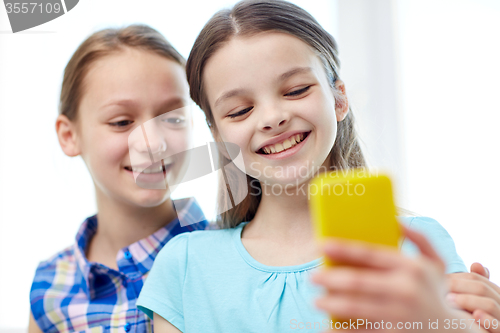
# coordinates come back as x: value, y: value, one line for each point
x: 194, y: 250
x: 186, y: 258
x: 199, y: 240
x: 59, y: 263
x: 55, y: 277
x: 190, y: 215
x: 439, y: 238
x: 425, y: 225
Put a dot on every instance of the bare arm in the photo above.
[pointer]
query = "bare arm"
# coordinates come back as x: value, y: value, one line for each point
x: 161, y: 325
x: 33, y: 326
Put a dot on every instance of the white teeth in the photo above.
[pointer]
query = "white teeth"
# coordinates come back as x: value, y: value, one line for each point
x: 148, y: 170
x: 152, y: 170
x: 287, y: 144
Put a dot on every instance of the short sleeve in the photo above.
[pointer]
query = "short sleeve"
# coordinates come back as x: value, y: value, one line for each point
x: 163, y: 289
x: 41, y: 284
x: 440, y: 240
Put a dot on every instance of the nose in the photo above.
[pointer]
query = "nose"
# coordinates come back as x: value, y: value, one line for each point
x: 147, y: 139
x: 155, y: 138
x: 273, y: 119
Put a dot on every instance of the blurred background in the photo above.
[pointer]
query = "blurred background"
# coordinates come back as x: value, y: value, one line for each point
x: 422, y: 77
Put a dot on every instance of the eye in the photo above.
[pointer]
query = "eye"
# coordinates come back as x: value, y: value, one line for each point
x: 240, y: 113
x: 121, y: 123
x: 174, y: 120
x: 297, y: 92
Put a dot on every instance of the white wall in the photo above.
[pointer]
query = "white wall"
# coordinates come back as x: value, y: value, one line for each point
x: 423, y: 78
x: 450, y: 72
x: 369, y: 58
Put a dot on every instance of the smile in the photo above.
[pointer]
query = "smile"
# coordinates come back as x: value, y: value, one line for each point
x: 286, y: 144
x: 155, y: 168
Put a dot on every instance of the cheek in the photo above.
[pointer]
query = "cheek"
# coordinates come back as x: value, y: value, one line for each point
x: 107, y: 148
x: 236, y: 133
x: 322, y: 114
x: 117, y: 148
x: 179, y: 141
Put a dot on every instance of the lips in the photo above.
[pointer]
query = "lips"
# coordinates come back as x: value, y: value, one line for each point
x: 157, y: 167
x: 283, y: 144
x: 153, y: 177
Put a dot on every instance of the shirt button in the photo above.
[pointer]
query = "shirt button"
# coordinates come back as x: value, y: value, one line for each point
x: 127, y: 255
x: 127, y: 327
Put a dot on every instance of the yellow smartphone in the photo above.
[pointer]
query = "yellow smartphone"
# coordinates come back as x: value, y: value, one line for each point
x: 354, y: 205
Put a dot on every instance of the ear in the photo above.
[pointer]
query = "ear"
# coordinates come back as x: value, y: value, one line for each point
x: 341, y: 102
x: 67, y: 136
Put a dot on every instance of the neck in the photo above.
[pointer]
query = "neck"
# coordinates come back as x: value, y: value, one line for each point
x: 284, y: 216
x: 121, y: 224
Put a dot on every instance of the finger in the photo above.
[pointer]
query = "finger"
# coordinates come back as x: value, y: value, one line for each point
x: 372, y: 309
x: 471, y: 303
x: 486, y: 321
x: 474, y: 277
x: 474, y: 287
x: 426, y: 249
x: 363, y: 254
x: 479, y: 269
x: 359, y: 326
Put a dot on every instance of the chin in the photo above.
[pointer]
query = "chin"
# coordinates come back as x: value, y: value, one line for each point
x: 283, y: 182
x: 295, y: 175
x: 151, y: 198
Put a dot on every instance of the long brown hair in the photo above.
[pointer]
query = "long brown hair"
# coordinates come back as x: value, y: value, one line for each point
x: 247, y: 18
x: 100, y: 44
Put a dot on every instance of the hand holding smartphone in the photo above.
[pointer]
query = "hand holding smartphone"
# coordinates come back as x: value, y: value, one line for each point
x: 354, y: 205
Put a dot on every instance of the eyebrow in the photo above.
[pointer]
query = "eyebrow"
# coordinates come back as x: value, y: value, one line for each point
x: 121, y: 102
x: 229, y: 94
x: 282, y: 77
x: 294, y: 71
x: 130, y: 103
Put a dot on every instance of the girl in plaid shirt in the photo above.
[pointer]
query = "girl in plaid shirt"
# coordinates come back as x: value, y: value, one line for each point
x: 124, y: 109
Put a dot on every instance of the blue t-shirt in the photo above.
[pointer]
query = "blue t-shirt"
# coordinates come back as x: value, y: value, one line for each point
x: 206, y: 281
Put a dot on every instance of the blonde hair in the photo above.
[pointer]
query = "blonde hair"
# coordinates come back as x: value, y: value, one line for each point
x: 247, y: 18
x: 100, y: 44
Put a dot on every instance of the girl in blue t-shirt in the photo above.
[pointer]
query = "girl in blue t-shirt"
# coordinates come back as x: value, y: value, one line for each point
x: 266, y: 75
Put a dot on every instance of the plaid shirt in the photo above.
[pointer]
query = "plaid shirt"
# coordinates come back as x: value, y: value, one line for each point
x: 70, y: 294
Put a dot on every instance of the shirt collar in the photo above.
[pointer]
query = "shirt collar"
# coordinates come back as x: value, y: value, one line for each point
x: 136, y: 259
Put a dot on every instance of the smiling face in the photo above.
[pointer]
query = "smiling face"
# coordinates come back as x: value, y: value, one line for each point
x: 269, y: 94
x: 122, y: 91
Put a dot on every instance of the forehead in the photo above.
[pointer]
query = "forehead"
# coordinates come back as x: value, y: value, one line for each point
x: 243, y: 59
x: 135, y: 73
